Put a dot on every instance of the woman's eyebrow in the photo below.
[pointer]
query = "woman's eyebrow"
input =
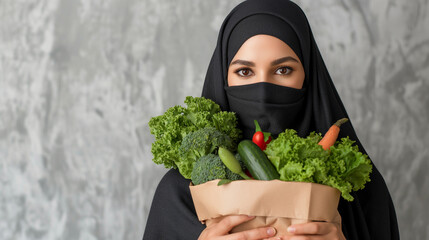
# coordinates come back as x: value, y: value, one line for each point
x: 243, y: 62
x: 284, y: 59
x: 273, y: 63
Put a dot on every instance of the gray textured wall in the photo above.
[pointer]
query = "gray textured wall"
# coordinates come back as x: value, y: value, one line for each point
x: 79, y: 80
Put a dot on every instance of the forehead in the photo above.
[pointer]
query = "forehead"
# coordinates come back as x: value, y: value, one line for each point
x: 263, y: 45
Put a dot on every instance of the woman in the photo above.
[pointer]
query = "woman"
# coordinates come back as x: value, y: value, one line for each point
x: 267, y: 66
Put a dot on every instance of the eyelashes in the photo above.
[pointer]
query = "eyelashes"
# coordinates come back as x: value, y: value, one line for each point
x: 240, y: 72
x: 247, y: 72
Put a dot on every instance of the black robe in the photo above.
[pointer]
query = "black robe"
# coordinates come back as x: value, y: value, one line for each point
x: 370, y: 216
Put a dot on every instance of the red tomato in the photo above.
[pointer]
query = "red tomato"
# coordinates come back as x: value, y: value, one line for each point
x: 258, y: 139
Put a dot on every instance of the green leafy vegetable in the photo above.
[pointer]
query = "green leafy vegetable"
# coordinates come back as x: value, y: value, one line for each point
x: 170, y: 128
x: 211, y: 167
x: 303, y: 160
x: 353, y: 166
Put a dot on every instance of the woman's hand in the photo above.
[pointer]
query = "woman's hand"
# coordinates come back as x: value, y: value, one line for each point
x: 220, y: 230
x: 315, y: 231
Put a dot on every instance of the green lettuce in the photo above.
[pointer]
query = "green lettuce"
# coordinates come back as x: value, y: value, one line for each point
x: 172, y: 127
x: 303, y: 160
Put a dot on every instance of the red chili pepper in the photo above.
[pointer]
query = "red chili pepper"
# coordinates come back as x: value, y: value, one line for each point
x: 261, y: 138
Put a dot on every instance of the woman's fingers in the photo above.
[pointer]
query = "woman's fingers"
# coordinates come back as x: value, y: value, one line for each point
x: 229, y: 222
x: 221, y: 230
x: 254, y: 234
x: 313, y: 228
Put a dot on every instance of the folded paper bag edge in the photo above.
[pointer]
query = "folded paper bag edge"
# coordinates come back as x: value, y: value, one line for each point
x: 298, y: 200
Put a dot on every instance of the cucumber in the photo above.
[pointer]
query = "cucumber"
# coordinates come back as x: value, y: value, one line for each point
x: 256, y: 161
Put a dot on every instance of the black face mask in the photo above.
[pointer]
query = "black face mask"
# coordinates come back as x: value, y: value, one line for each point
x: 274, y: 107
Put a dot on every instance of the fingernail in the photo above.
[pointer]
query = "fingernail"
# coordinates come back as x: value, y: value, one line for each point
x: 291, y: 229
x: 271, y: 231
x: 250, y: 216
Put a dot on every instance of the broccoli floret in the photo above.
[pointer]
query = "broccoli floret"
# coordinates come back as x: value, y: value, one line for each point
x: 233, y: 176
x: 200, y: 143
x: 211, y: 167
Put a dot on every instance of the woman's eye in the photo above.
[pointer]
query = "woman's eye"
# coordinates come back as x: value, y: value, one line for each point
x: 244, y: 72
x: 284, y: 70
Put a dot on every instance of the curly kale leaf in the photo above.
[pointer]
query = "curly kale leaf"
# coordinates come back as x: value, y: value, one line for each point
x: 170, y: 128
x: 349, y: 165
x: 303, y: 160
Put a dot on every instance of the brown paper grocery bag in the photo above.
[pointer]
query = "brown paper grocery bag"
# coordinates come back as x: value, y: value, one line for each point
x: 274, y: 203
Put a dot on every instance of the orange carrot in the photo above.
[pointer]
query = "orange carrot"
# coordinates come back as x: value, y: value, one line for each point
x: 332, y: 134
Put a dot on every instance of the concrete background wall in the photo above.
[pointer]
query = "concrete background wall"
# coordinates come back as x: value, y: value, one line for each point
x: 80, y: 79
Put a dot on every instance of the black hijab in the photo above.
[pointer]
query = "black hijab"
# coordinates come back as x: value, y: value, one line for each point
x: 370, y: 216
x: 275, y: 107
